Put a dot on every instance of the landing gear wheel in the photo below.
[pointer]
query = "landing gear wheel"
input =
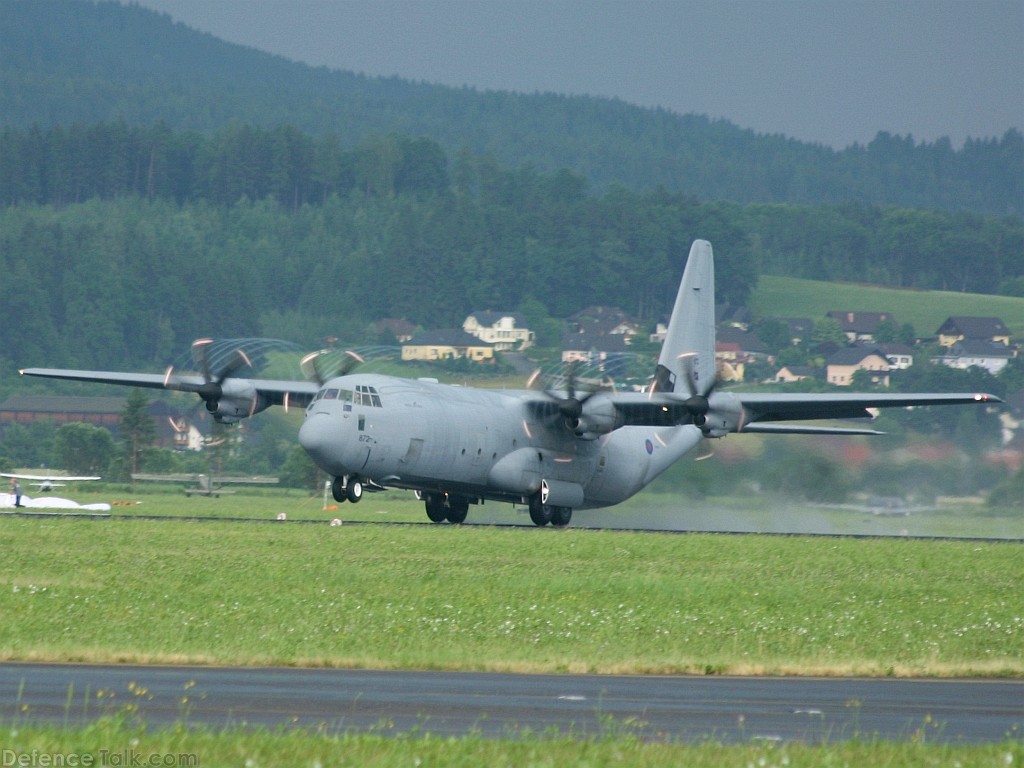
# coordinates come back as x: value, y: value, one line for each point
x: 458, y: 509
x: 560, y: 516
x: 540, y: 513
x: 338, y: 490
x: 435, y: 508
x: 354, y: 489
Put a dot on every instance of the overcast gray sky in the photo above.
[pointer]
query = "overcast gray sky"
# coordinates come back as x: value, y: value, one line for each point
x: 828, y: 71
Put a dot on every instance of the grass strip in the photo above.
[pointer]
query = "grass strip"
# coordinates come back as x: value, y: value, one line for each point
x: 524, y: 600
x: 117, y: 740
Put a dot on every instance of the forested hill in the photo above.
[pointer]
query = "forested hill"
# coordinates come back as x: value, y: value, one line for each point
x: 72, y: 61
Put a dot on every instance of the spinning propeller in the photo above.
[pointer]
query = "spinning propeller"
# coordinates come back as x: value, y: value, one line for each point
x: 326, y: 364
x: 570, y: 404
x: 697, y: 403
x: 212, y: 388
x: 216, y: 370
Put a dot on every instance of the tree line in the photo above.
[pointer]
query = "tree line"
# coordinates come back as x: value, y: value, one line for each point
x: 66, y: 62
x: 120, y: 255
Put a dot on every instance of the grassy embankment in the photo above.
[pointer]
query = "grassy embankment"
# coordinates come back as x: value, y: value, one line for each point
x: 925, y: 310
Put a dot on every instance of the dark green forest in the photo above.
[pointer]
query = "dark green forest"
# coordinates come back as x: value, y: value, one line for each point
x: 120, y: 245
x: 67, y: 62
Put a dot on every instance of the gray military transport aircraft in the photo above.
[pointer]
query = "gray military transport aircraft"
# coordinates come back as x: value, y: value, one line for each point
x: 554, y: 451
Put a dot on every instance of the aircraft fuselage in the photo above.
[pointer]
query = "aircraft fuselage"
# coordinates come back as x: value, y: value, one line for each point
x: 479, y: 444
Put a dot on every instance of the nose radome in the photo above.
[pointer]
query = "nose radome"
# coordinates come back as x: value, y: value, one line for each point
x: 314, y: 435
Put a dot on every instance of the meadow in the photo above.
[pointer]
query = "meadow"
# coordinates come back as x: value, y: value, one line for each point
x: 205, y: 589
x: 512, y: 599
x: 925, y: 310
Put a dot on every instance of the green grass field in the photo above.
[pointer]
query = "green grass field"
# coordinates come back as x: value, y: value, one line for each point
x: 478, y: 597
x: 777, y: 296
x: 264, y: 748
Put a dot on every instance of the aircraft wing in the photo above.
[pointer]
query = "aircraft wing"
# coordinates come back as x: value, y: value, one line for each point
x: 773, y: 406
x: 47, y: 478
x: 761, y: 412
x: 261, y: 392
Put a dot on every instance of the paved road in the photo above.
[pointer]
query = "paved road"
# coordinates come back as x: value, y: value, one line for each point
x: 726, y: 709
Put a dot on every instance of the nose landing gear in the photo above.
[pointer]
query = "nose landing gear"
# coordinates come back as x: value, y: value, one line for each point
x: 347, y: 488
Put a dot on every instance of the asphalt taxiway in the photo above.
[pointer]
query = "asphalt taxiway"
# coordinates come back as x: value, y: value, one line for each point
x: 722, y: 709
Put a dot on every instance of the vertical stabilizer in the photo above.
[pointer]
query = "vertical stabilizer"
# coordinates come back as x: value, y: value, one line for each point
x: 688, y: 353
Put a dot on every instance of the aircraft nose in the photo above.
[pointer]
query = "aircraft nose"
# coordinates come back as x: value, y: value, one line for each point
x: 315, y: 437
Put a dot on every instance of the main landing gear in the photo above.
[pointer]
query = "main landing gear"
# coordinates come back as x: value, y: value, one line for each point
x: 347, y: 488
x: 441, y: 507
x: 542, y: 514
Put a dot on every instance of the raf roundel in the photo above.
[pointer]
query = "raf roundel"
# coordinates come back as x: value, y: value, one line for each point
x: 649, y: 446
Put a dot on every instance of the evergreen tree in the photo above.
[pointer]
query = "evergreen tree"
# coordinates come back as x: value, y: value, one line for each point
x: 137, y: 429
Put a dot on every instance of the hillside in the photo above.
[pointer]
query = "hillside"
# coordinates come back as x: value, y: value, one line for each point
x: 73, y: 61
x: 925, y: 310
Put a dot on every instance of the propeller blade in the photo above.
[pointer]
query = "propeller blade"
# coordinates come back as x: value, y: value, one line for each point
x: 687, y: 360
x: 199, y: 348
x: 238, y: 361
x: 325, y: 364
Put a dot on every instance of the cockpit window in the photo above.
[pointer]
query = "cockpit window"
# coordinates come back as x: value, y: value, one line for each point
x: 367, y: 396
x: 331, y: 394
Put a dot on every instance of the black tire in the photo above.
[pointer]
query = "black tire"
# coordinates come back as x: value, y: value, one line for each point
x: 354, y: 489
x: 435, y: 508
x: 338, y: 490
x: 539, y: 513
x: 458, y: 509
x: 560, y: 516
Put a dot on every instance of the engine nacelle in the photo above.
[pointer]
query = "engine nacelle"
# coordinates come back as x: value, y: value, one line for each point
x: 725, y: 416
x: 599, y: 417
x: 239, y: 401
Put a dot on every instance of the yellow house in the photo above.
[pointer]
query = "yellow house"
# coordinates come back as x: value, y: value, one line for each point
x: 957, y: 329
x: 447, y: 345
x: 843, y: 364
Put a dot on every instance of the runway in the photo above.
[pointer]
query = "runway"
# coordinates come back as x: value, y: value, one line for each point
x: 722, y: 709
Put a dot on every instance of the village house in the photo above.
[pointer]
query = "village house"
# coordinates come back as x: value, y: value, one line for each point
x: 844, y: 363
x: 993, y: 356
x: 959, y: 329
x: 448, y: 344
x: 503, y: 330
x: 734, y: 350
x: 590, y: 348
x: 860, y: 326
x: 790, y: 373
x: 900, y: 356
x: 602, y: 321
